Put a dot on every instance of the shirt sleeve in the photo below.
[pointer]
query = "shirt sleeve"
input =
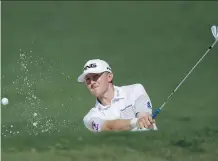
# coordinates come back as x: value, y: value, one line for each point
x: 142, y: 102
x: 93, y: 122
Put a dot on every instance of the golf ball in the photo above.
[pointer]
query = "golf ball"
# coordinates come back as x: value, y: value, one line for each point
x: 4, y: 101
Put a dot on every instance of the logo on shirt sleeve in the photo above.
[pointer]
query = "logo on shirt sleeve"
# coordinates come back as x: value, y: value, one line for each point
x: 95, y: 126
x: 149, y: 105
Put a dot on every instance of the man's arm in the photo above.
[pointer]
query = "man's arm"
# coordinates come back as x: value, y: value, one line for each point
x: 119, y: 125
x: 97, y: 125
x: 143, y: 106
x: 122, y: 125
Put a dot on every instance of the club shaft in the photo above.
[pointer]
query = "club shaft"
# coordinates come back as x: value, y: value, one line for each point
x: 159, y: 109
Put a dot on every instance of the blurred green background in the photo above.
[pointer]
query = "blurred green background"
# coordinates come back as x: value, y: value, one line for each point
x: 44, y: 48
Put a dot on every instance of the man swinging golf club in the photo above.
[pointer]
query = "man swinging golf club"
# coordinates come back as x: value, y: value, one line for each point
x: 124, y: 108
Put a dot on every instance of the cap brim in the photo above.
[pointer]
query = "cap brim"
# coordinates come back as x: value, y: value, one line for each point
x: 81, y: 78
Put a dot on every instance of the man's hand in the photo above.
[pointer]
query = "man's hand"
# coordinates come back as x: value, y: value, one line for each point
x: 145, y: 121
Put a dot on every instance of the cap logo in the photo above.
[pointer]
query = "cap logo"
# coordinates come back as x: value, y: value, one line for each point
x: 108, y: 68
x: 90, y: 66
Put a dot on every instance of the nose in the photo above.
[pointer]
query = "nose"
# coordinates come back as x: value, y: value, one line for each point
x: 92, y: 81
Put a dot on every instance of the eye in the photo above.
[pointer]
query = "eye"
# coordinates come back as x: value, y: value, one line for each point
x: 96, y: 76
x: 87, y: 79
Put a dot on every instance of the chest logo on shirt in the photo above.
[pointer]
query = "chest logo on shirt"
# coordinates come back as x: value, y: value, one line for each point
x: 126, y: 107
x: 127, y: 112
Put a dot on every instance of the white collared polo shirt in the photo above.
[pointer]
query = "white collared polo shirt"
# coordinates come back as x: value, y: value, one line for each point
x: 127, y: 102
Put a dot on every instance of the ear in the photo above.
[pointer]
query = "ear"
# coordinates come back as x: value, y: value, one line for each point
x: 110, y: 77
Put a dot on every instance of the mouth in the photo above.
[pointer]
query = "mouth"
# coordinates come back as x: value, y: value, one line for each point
x: 94, y: 87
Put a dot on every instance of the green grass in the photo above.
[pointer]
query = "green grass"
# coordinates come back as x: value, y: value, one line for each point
x: 152, y: 43
x: 168, y: 145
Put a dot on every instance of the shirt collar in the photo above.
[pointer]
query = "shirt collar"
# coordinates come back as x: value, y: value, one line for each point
x: 118, y: 94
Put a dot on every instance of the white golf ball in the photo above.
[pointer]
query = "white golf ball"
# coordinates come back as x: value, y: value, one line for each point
x: 35, y: 114
x: 4, y: 101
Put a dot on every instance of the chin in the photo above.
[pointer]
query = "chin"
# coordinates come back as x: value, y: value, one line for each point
x: 96, y: 93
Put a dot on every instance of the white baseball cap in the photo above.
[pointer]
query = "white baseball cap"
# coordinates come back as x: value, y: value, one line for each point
x: 94, y: 66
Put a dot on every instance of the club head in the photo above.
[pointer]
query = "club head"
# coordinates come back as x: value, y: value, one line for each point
x: 214, y: 30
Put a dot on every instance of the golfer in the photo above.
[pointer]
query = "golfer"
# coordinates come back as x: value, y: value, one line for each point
x: 117, y: 108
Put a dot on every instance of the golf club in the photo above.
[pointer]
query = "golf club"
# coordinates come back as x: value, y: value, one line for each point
x: 214, y: 30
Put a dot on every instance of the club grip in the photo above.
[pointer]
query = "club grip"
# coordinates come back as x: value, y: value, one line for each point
x: 154, y: 115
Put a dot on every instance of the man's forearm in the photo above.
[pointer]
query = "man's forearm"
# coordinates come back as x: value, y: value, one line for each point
x: 119, y: 124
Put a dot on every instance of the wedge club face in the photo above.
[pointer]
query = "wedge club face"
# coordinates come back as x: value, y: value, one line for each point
x: 214, y: 30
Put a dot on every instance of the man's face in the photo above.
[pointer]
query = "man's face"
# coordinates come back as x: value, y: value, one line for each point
x: 98, y: 84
